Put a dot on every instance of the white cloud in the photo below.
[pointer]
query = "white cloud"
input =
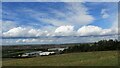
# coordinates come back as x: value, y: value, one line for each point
x: 54, y: 22
x: 95, y: 30
x: 55, y: 40
x: 26, y: 40
x: 104, y: 13
x: 78, y: 14
x: 65, y: 30
x: 115, y: 25
x: 89, y: 30
x: 0, y: 29
x: 25, y: 32
x: 72, y: 14
x: 32, y: 40
x: 19, y: 31
x: 34, y: 32
x: 7, y: 25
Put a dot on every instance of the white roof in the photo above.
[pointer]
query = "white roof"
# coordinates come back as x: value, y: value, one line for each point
x: 56, y: 48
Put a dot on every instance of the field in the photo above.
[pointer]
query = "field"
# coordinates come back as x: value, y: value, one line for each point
x: 98, y: 58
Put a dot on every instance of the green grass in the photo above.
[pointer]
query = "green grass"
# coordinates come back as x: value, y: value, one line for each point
x: 101, y: 58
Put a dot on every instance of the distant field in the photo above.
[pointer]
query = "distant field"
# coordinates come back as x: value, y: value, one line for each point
x: 100, y: 58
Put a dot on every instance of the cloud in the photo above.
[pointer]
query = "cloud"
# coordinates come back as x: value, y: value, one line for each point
x: 7, y: 25
x: 89, y: 30
x: 95, y: 30
x: 19, y: 31
x: 25, y: 32
x: 0, y: 29
x: 115, y: 25
x: 65, y: 30
x: 54, y: 40
x: 104, y: 13
x: 72, y: 36
x: 79, y: 14
x: 33, y: 40
x: 71, y: 14
x: 27, y: 40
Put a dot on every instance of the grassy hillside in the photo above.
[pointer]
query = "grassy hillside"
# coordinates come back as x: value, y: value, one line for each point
x: 101, y: 58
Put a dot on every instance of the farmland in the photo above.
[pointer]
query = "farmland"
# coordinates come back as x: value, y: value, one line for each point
x: 97, y: 58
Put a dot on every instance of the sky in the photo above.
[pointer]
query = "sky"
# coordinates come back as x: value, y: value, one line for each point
x: 58, y: 22
x: 60, y: 0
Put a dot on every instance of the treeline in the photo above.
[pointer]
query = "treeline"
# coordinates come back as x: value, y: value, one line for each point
x: 103, y: 45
